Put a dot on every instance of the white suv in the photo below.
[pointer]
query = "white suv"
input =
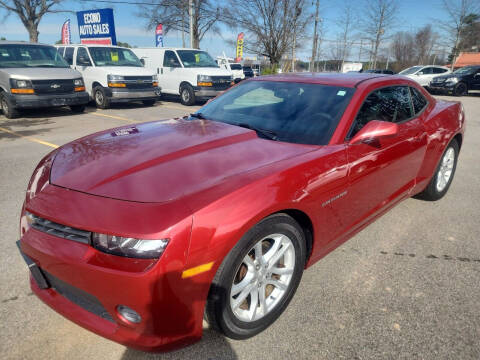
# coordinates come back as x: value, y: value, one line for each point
x: 112, y: 74
x: 424, y: 74
x: 190, y: 73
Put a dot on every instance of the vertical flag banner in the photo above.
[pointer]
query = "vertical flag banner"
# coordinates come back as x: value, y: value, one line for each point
x: 159, y: 35
x: 66, y: 34
x: 96, y: 27
x: 239, y: 47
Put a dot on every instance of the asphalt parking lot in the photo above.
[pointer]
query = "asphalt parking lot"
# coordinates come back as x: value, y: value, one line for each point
x: 406, y: 287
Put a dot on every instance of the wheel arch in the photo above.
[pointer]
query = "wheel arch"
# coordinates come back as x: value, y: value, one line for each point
x: 307, y: 226
x: 95, y: 84
x: 459, y: 139
x: 182, y: 84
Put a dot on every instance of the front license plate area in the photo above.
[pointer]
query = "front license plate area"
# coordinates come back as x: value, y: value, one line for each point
x: 36, y: 272
x: 59, y: 102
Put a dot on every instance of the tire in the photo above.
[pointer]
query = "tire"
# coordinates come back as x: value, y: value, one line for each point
x: 460, y: 89
x: 100, y: 97
x: 448, y: 162
x: 77, y: 109
x: 232, y: 312
x: 187, y: 95
x: 148, y: 102
x: 8, y: 110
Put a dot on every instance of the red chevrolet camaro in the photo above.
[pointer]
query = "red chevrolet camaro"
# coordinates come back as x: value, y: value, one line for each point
x: 137, y: 233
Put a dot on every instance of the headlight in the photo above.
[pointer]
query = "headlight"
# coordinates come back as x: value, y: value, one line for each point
x: 78, y: 82
x: 129, y: 247
x: 21, y: 86
x: 452, y: 80
x: 204, y: 78
x: 115, y: 78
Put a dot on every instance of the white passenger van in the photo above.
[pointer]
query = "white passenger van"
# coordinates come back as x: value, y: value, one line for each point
x: 112, y: 74
x: 190, y: 73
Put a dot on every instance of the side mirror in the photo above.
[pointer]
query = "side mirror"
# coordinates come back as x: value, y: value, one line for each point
x: 142, y: 61
x: 375, y: 130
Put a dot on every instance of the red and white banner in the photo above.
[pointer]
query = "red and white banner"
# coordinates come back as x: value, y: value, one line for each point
x: 98, y: 41
x: 159, y: 35
x: 66, y: 34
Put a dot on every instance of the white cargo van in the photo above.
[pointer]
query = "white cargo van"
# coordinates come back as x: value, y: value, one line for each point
x: 112, y: 74
x: 235, y: 68
x: 190, y: 73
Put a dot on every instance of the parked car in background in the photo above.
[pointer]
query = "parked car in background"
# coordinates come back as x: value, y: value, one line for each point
x: 112, y: 74
x: 229, y: 65
x: 424, y: 74
x: 139, y: 233
x: 248, y: 71
x: 36, y: 76
x: 459, y: 82
x: 378, y: 71
x: 190, y: 73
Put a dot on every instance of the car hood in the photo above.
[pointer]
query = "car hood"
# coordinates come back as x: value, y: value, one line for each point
x: 164, y: 160
x: 211, y: 71
x: 127, y: 70
x: 42, y: 73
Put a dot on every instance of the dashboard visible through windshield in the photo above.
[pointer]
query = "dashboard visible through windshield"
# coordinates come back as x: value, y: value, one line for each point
x: 284, y: 111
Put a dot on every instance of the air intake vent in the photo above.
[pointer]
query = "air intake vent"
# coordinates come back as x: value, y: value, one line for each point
x: 59, y: 230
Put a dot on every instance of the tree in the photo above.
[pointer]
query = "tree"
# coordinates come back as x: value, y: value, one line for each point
x: 31, y: 12
x: 124, y: 44
x: 268, y: 25
x: 425, y: 40
x: 346, y: 23
x: 457, y: 12
x: 402, y: 49
x: 470, y: 36
x: 379, y: 16
x: 173, y: 14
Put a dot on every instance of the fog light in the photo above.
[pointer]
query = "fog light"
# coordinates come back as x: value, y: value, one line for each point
x: 129, y: 314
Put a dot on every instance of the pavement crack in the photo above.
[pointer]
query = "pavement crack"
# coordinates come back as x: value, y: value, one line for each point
x: 431, y: 256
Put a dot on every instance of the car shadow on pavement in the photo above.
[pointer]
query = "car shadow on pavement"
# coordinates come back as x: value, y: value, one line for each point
x: 26, y: 125
x: 212, y: 346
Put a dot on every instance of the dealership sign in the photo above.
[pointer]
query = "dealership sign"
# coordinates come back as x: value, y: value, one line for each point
x: 96, y: 27
x: 159, y: 35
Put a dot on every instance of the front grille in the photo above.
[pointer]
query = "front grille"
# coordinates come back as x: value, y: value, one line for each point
x: 141, y: 78
x: 227, y: 79
x: 59, y: 230
x: 48, y: 87
x: 138, y: 82
x: 438, y: 81
x: 135, y: 85
x: 79, y: 297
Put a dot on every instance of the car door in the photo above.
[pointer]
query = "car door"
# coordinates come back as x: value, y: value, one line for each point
x: 170, y: 73
x: 384, y: 170
x: 475, y: 84
x: 425, y: 76
x: 83, y: 63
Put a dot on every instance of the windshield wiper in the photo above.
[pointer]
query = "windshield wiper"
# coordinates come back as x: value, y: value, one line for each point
x: 269, y: 134
x: 198, y: 115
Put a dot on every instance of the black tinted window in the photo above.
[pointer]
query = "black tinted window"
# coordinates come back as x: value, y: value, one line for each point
x: 439, y: 70
x: 68, y: 56
x: 427, y: 71
x: 294, y: 112
x: 418, y: 100
x: 388, y: 104
x: 170, y: 59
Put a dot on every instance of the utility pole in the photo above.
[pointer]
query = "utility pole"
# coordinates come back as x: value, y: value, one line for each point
x: 298, y: 11
x: 183, y: 24
x: 360, y: 52
x: 190, y: 13
x: 315, y: 39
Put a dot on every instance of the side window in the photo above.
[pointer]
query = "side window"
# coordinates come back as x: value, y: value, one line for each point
x: 68, y: 56
x: 388, y: 104
x: 418, y: 100
x: 82, y: 57
x: 427, y: 71
x: 170, y: 59
x: 439, y: 70
x: 60, y: 50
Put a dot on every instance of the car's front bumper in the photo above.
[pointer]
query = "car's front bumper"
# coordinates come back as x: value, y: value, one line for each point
x: 38, y: 101
x: 87, y: 285
x: 125, y: 95
x: 209, y: 92
x: 442, y: 87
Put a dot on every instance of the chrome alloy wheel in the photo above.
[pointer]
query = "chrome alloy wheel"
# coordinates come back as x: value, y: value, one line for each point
x: 446, y: 168
x: 185, y: 95
x: 99, y: 97
x: 262, y: 278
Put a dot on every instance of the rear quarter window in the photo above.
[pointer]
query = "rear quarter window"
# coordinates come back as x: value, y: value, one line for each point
x: 418, y: 100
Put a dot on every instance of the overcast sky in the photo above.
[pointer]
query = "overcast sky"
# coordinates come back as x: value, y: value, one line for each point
x: 412, y: 15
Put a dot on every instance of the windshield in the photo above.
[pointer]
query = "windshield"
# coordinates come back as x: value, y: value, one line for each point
x: 196, y: 58
x: 30, y: 56
x: 467, y: 70
x: 294, y: 112
x: 410, y: 70
x: 111, y: 56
